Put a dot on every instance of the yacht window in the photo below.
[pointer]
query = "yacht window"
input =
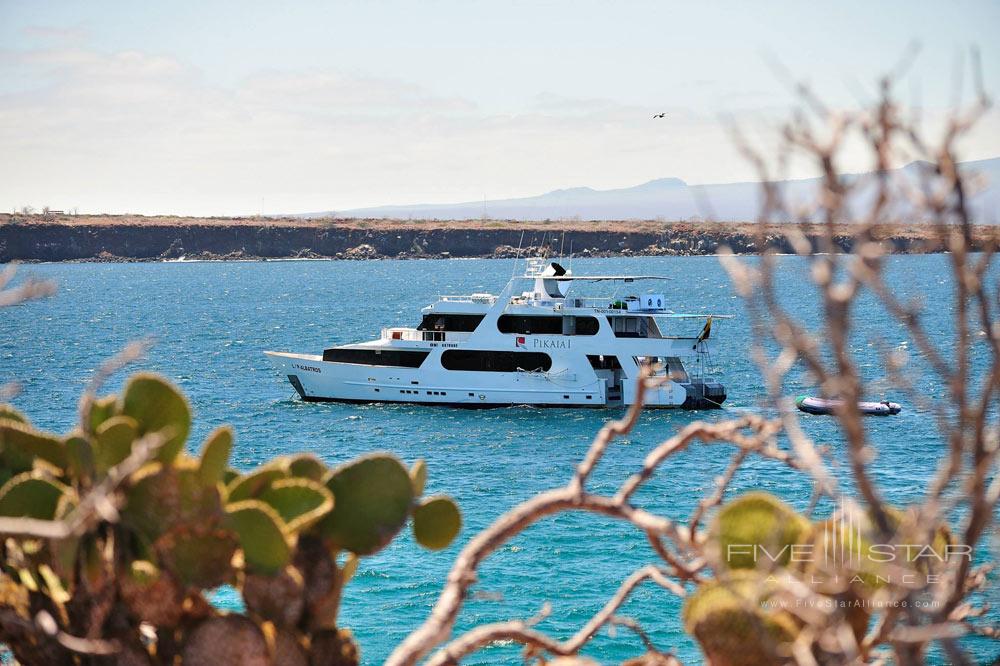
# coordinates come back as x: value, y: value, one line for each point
x: 390, y: 357
x: 671, y: 365
x: 629, y: 327
x: 573, y: 325
x: 587, y: 326
x: 494, y: 361
x: 675, y: 370
x: 602, y: 362
x: 545, y: 325
x: 462, y: 323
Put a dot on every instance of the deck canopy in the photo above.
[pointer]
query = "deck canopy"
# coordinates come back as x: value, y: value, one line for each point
x: 598, y: 278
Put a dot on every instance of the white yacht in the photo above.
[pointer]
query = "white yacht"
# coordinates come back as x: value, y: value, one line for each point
x: 542, y: 347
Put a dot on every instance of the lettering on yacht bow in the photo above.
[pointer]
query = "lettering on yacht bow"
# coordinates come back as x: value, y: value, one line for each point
x: 550, y: 344
x: 307, y: 368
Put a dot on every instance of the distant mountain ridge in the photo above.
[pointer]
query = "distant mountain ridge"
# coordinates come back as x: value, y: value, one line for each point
x: 663, y: 198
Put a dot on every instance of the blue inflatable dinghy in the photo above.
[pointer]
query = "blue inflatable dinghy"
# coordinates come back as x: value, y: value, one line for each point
x: 813, y: 405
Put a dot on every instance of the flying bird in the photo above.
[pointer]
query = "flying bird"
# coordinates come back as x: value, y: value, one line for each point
x: 660, y: 115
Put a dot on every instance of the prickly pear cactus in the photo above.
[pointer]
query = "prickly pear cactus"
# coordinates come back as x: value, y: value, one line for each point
x: 171, y: 526
x: 756, y: 530
x: 730, y: 621
x: 752, y: 540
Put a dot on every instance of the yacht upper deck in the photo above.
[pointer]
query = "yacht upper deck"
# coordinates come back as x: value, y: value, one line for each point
x: 454, y: 318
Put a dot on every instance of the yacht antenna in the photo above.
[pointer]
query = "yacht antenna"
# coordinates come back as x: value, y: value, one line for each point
x: 517, y: 255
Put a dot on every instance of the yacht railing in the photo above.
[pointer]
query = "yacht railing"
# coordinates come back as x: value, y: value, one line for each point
x: 488, y: 299
x: 589, y: 302
x: 401, y: 334
x: 416, y: 335
x: 628, y: 304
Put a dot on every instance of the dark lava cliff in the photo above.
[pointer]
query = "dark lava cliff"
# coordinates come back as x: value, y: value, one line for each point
x: 144, y: 239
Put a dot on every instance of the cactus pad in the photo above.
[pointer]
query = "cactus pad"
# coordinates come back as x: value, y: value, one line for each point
x: 114, y: 438
x: 756, y: 529
x: 157, y: 405
x: 733, y: 629
x: 165, y: 496
x: 262, y: 536
x: 31, y: 495
x: 299, y: 502
x: 101, y: 410
x: 80, y: 456
x: 436, y: 522
x: 418, y: 475
x: 253, y: 484
x: 197, y: 557
x: 372, y: 497
x: 306, y: 466
x: 21, y: 444
x: 215, y: 455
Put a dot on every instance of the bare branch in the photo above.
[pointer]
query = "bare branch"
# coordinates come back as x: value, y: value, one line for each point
x: 30, y: 289
x: 520, y: 631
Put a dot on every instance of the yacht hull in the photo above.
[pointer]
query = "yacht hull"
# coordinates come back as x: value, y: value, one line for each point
x: 316, y: 380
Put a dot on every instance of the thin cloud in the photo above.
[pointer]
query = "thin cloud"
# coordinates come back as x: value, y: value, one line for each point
x: 62, y: 34
x: 338, y: 92
x: 139, y: 132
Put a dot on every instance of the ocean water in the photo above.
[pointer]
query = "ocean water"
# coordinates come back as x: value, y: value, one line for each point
x: 212, y: 322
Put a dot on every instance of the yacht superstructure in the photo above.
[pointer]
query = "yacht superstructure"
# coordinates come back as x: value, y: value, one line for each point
x: 542, y: 347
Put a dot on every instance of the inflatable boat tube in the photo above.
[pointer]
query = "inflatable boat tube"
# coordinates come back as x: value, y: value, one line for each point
x: 813, y: 405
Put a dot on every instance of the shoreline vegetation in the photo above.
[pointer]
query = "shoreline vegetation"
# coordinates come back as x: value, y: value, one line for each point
x: 125, y: 238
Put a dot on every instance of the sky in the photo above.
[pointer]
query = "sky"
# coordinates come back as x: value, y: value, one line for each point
x: 236, y: 108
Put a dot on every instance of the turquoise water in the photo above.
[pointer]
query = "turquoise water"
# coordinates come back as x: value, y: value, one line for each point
x: 213, y: 320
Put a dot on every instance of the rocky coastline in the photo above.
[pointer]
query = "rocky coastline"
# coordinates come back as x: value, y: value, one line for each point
x: 132, y: 238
